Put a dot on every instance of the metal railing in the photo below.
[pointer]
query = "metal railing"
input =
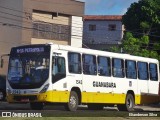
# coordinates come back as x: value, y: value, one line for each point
x: 51, y: 31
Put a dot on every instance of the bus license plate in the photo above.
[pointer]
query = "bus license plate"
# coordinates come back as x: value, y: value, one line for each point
x: 24, y: 100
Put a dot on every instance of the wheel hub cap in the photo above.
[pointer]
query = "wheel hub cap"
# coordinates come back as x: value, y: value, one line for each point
x: 73, y: 101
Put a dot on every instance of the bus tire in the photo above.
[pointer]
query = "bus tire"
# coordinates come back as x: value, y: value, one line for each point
x: 36, y: 105
x: 72, y: 105
x: 129, y: 104
x: 95, y: 107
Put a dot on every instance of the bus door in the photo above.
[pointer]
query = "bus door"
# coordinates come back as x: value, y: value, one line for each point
x: 153, y: 83
x: 58, y: 71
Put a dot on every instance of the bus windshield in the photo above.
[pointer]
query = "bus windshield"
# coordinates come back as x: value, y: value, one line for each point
x: 28, y: 70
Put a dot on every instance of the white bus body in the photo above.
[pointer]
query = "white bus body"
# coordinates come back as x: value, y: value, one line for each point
x: 75, y: 76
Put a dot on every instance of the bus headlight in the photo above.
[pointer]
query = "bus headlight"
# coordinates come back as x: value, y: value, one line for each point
x: 44, y: 88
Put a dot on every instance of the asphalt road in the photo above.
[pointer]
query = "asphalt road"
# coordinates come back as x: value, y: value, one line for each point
x: 59, y: 111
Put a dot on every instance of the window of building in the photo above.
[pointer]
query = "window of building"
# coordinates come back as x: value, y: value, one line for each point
x: 118, y: 67
x: 104, y: 68
x: 131, y: 71
x: 89, y: 64
x: 92, y: 27
x: 153, y: 72
x: 143, y: 71
x: 112, y: 27
x: 74, y: 62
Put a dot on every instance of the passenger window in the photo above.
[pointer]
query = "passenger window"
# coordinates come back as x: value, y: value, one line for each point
x: 89, y: 64
x: 143, y: 71
x: 74, y: 62
x: 153, y: 72
x: 131, y: 71
x: 118, y: 67
x: 104, y: 68
x: 58, y: 68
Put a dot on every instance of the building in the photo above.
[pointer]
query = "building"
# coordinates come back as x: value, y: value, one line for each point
x: 40, y: 21
x: 103, y: 31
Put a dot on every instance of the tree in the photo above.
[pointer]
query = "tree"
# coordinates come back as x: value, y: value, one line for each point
x: 142, y: 21
x: 136, y: 46
x: 143, y: 16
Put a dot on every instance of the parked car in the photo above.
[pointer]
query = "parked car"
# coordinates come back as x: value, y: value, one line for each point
x: 2, y: 88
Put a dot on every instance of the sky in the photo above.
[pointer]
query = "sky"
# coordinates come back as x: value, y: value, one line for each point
x: 107, y: 7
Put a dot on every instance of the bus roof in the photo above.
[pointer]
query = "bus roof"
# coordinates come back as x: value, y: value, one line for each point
x: 95, y: 52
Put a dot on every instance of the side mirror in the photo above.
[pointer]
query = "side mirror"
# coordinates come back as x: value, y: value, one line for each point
x: 2, y: 61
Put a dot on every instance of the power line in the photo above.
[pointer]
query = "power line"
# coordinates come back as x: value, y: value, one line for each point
x: 22, y: 27
x: 24, y: 12
x: 12, y: 14
x: 32, y: 16
x: 56, y: 3
x: 28, y: 28
x: 54, y: 19
x: 37, y: 20
x: 15, y: 19
x: 74, y: 32
x: 9, y: 8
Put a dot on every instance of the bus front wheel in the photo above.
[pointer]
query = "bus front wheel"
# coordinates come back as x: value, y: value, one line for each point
x: 36, y: 105
x: 129, y: 104
x: 72, y: 105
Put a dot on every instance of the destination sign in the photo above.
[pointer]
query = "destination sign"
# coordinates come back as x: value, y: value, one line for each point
x: 30, y: 50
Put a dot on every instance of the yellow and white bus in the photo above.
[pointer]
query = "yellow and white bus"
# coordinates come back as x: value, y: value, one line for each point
x: 51, y: 73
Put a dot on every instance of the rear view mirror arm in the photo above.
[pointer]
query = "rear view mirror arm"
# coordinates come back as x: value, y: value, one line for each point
x: 2, y: 61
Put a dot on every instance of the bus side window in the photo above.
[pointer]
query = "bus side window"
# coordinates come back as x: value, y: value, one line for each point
x: 153, y: 72
x: 131, y: 70
x: 58, y: 68
x: 104, y: 68
x: 89, y: 64
x: 118, y: 67
x: 143, y: 71
x: 74, y: 63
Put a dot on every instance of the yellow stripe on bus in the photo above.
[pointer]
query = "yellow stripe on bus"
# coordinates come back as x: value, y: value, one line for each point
x: 89, y: 97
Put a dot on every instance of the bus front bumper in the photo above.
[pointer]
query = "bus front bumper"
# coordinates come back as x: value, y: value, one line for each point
x: 50, y: 96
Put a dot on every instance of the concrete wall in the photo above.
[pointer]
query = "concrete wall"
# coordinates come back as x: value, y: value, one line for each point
x: 102, y: 35
x: 77, y: 31
x: 44, y: 41
x: 64, y: 20
x: 69, y: 7
x: 10, y: 32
